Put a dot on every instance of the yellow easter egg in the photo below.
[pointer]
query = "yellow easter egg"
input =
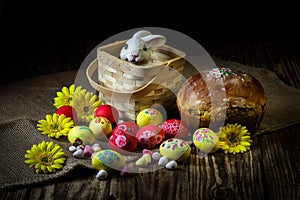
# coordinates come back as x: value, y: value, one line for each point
x: 175, y: 149
x: 81, y: 135
x: 101, y: 127
x: 149, y: 116
x: 108, y: 160
x: 206, y: 140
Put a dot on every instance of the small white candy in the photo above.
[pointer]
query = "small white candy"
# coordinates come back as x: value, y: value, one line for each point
x: 72, y: 149
x: 78, y: 153
x: 95, y: 145
x: 102, y: 174
x: 171, y: 165
x: 163, y: 161
x: 96, y: 149
x: 80, y: 147
x: 156, y: 156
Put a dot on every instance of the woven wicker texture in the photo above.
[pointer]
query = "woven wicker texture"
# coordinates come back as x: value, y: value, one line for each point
x: 133, y: 87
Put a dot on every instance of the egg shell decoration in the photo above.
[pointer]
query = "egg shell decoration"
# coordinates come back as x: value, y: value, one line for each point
x: 107, y: 111
x: 206, y: 140
x: 108, y: 160
x: 175, y: 149
x: 67, y: 110
x: 149, y: 116
x: 130, y: 127
x: 81, y: 135
x: 174, y: 128
x: 122, y: 142
x: 150, y: 136
x: 101, y: 127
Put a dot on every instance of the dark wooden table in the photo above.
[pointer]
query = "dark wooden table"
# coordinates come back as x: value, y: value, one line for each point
x: 269, y: 171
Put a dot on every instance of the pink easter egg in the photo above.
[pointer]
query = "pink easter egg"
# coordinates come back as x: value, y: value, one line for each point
x: 150, y: 136
x: 174, y: 128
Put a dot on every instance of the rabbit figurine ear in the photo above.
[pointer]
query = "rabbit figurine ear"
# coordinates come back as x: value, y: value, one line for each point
x: 137, y: 48
x: 154, y: 41
x: 141, y: 34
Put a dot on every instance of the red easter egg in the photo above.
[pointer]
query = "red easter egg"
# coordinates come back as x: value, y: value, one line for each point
x: 174, y: 128
x: 122, y: 142
x: 107, y: 111
x: 67, y: 110
x: 130, y: 127
x: 150, y: 136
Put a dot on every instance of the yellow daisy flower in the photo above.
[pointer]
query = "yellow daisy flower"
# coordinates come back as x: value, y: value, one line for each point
x: 45, y: 157
x: 85, y: 106
x: 234, y: 138
x: 65, y: 96
x: 55, y: 125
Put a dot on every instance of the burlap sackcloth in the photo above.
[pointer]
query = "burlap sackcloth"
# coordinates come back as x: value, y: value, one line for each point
x: 23, y: 104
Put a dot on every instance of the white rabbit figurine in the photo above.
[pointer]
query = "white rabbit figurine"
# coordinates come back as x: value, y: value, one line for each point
x: 137, y: 48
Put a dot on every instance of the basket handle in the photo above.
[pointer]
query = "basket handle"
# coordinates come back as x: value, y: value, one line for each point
x: 132, y: 94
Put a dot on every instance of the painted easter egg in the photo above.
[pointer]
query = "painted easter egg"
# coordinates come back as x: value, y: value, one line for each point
x: 130, y: 127
x: 107, y: 111
x: 206, y: 140
x: 108, y: 160
x: 175, y: 149
x: 123, y: 142
x: 81, y: 135
x: 174, y: 128
x: 150, y: 136
x: 67, y: 110
x: 149, y: 116
x: 101, y: 127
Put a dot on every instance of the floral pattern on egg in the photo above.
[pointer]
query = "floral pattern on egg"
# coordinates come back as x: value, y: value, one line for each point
x: 206, y: 140
x: 175, y: 149
x: 150, y: 136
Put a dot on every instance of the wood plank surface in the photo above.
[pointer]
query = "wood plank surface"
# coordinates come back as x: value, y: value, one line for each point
x: 269, y: 171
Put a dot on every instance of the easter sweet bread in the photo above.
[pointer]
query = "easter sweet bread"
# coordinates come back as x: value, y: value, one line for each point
x: 216, y: 96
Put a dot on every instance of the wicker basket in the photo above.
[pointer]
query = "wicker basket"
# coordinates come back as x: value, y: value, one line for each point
x: 130, y: 87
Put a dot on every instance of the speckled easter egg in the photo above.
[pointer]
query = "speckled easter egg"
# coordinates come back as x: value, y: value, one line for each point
x: 107, y: 111
x: 175, y: 149
x: 108, y: 160
x: 174, y: 128
x: 122, y: 141
x: 150, y: 136
x: 67, y: 110
x: 206, y: 140
x: 81, y: 135
x: 149, y: 116
x: 101, y: 127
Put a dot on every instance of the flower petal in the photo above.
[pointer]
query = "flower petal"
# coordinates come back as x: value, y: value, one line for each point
x: 57, y: 166
x: 42, y: 146
x: 30, y: 161
x: 55, y: 117
x: 244, y: 143
x: 59, y: 94
x: 244, y: 138
x: 55, y: 149
x: 58, y: 154
x: 72, y: 89
x: 44, y: 169
x: 49, y: 169
x: 65, y: 90
x: 49, y: 118
x: 59, y: 161
x: 49, y: 146
x: 60, y: 117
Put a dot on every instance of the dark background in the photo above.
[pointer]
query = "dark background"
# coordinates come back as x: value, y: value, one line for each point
x: 46, y: 36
